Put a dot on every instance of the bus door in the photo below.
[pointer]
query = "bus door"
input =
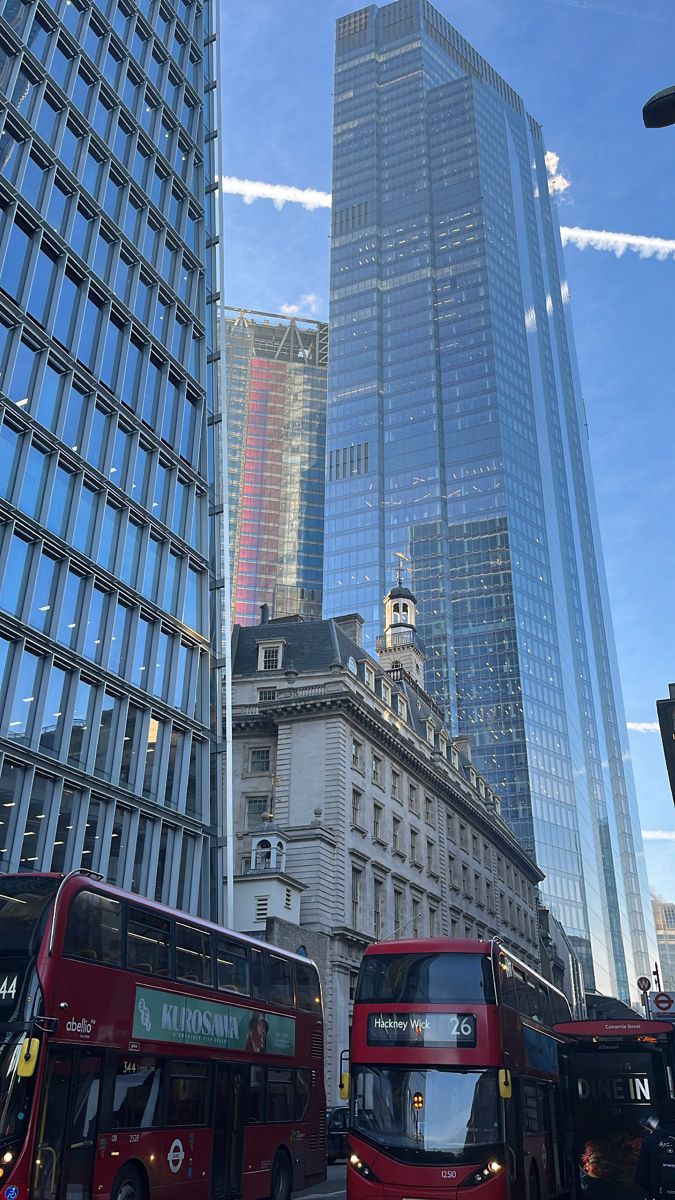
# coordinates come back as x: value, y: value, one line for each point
x: 64, y: 1157
x: 228, y: 1131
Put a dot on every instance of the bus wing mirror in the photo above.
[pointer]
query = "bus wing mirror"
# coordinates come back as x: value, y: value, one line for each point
x: 344, y: 1085
x: 28, y: 1057
x: 505, y: 1084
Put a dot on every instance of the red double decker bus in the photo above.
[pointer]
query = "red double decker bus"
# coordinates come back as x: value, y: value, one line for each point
x: 454, y: 1076
x: 145, y: 1054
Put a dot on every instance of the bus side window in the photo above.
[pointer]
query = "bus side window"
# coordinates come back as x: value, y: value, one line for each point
x: 148, y: 942
x: 279, y: 980
x: 303, y: 1093
x: 188, y: 1101
x: 94, y: 929
x: 307, y: 988
x: 232, y: 967
x: 137, y: 1090
x: 280, y: 1094
x: 258, y: 988
x: 193, y: 954
x: 256, y: 1096
x: 545, y: 1014
x: 507, y: 983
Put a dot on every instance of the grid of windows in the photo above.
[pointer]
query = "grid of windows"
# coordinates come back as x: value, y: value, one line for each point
x: 105, y: 332
x: 447, y: 296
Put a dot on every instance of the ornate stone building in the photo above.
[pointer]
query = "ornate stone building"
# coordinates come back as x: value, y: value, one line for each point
x: 355, y: 810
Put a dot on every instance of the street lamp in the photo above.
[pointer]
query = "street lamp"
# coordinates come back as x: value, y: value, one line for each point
x: 660, y: 110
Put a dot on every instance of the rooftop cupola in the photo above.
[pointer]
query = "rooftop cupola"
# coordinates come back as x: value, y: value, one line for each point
x: 399, y: 646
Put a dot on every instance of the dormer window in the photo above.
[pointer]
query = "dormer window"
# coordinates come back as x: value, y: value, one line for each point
x: 369, y: 676
x: 270, y: 656
x: 430, y: 733
x: 402, y: 708
x: 386, y: 693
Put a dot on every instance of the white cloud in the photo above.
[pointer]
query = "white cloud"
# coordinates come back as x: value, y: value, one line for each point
x: 278, y: 193
x: 595, y: 239
x: 557, y: 182
x: 308, y: 305
x: 643, y: 726
x: 618, y: 243
x: 658, y: 835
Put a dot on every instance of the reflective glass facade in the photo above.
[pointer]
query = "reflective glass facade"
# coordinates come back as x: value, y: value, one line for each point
x: 276, y: 389
x: 105, y: 277
x: 452, y: 364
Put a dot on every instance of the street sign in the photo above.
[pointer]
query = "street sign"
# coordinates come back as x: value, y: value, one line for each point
x: 663, y: 1005
x: 644, y: 983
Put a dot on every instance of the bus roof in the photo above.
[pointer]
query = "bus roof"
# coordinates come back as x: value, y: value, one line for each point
x: 76, y: 880
x: 430, y: 946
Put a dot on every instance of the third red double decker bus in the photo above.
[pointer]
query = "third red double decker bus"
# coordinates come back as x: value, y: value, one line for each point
x: 455, y: 1083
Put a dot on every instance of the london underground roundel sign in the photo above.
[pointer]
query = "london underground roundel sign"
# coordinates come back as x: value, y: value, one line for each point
x: 663, y: 1001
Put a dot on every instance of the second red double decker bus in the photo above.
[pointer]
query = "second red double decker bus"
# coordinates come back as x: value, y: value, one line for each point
x: 454, y: 1076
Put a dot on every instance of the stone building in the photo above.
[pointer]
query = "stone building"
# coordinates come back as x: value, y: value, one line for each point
x: 357, y: 818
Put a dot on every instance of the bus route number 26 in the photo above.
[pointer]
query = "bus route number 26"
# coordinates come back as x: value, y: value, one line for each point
x: 8, y: 987
x: 448, y: 1174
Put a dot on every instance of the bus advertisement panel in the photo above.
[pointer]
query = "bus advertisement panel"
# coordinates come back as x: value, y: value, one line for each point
x: 141, y: 1049
x: 454, y: 1075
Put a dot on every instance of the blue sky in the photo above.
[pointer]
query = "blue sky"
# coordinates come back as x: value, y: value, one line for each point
x: 584, y: 69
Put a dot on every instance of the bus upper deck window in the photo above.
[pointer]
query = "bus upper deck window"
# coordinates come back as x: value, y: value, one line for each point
x: 258, y: 983
x: 94, y: 929
x: 279, y: 980
x: 148, y: 942
x: 307, y: 988
x: 193, y: 954
x: 233, y: 967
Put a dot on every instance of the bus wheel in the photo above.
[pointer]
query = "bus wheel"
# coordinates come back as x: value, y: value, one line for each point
x: 533, y: 1190
x: 281, y: 1177
x: 128, y: 1186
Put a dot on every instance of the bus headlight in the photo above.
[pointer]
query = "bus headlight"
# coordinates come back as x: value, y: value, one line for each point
x: 8, y: 1157
x: 361, y: 1167
x: 492, y: 1167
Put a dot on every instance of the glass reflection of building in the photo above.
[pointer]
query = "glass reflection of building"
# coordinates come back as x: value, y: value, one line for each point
x: 276, y: 388
x: 664, y: 919
x: 105, y: 149
x: 452, y: 369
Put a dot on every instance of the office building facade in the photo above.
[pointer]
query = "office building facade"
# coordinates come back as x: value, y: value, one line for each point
x: 105, y: 334
x: 276, y: 419
x: 664, y: 919
x: 453, y: 378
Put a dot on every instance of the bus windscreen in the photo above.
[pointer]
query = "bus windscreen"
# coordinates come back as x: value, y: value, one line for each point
x: 428, y: 1115
x: 425, y: 979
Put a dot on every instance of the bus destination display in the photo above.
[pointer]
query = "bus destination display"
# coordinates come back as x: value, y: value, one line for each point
x: 437, y: 1029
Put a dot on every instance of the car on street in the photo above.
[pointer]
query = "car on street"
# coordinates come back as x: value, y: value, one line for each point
x: 336, y: 1133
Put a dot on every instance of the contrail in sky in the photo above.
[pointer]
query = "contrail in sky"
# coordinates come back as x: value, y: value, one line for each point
x: 618, y: 243
x: 253, y: 189
x: 594, y: 239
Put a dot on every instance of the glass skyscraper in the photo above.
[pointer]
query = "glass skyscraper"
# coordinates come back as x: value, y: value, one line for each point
x: 106, y: 229
x: 456, y: 436
x: 276, y: 418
